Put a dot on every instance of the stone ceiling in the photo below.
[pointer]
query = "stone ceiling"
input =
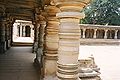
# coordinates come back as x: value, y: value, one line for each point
x: 19, y: 9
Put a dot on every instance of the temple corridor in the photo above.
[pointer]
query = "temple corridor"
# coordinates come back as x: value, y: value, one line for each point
x: 17, y: 64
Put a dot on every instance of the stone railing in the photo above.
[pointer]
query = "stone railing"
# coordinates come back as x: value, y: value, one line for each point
x: 99, y: 34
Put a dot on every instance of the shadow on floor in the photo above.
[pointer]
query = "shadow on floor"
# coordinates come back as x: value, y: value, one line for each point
x: 17, y: 64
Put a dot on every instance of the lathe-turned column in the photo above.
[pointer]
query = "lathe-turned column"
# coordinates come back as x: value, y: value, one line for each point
x: 2, y: 35
x: 84, y: 33
x: 11, y: 31
x: 51, y: 42
x: 69, y: 37
x: 95, y: 31
x: 21, y: 30
x: 116, y: 36
x: 7, y: 33
x: 10, y: 34
x: 105, y: 36
x: 35, y: 45
x: 39, y: 54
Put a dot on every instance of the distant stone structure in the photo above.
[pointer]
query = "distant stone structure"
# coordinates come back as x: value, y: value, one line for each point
x: 99, y: 34
x: 23, y: 28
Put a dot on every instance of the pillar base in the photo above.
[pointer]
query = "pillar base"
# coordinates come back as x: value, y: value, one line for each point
x: 36, y: 62
x: 55, y: 78
x: 35, y: 46
x: 69, y: 79
x: 50, y: 78
x: 8, y: 44
x: 2, y: 47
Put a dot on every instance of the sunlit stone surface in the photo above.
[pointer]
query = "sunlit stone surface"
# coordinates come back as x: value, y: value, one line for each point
x: 106, y: 57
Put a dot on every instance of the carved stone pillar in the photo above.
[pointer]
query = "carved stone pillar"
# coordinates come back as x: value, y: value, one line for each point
x: 39, y: 53
x: 69, y: 37
x: 95, y: 31
x: 35, y: 45
x: 105, y: 36
x: 2, y: 35
x: 21, y: 30
x: 31, y: 31
x: 84, y: 33
x: 51, y: 42
x: 6, y: 34
x: 116, y: 36
x: 10, y: 38
x: 12, y: 20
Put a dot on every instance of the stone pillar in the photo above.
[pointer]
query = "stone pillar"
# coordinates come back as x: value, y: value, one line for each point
x: 116, y: 31
x: 35, y: 45
x: 2, y: 35
x: 51, y: 42
x: 41, y: 46
x: 105, y: 36
x: 24, y: 31
x: 8, y: 25
x: 21, y: 30
x: 39, y: 53
x: 31, y: 31
x: 84, y: 33
x: 7, y: 34
x: 95, y: 31
x: 69, y: 37
x: 9, y: 38
x: 11, y: 31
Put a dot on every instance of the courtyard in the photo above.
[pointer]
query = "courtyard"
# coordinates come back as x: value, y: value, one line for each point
x: 106, y: 57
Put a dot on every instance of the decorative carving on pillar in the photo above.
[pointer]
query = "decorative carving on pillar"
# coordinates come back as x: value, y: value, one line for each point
x: 69, y: 37
x: 51, y: 41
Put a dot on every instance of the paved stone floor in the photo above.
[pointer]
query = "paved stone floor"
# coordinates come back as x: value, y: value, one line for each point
x: 17, y: 64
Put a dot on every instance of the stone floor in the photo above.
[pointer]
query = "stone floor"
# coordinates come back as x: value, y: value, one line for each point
x: 17, y: 64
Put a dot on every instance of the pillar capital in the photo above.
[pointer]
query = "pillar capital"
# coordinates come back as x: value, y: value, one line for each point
x: 71, y: 5
x: 39, y: 18
x: 51, y: 10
